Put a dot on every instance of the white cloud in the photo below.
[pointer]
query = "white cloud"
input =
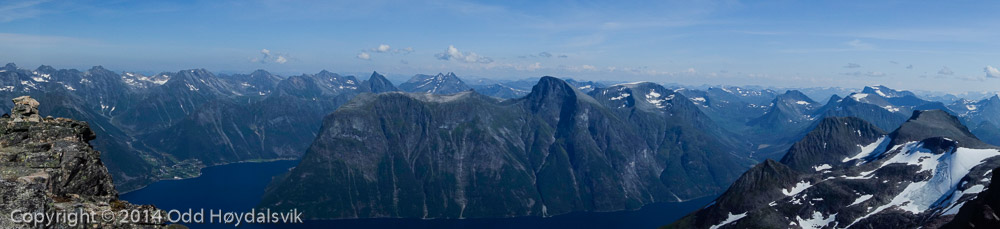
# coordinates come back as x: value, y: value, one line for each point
x: 364, y: 56
x: 991, y: 72
x: 406, y: 50
x: 544, y: 54
x: 467, y: 57
x: 852, y: 65
x: 946, y: 71
x: 858, y: 44
x: 533, y: 67
x: 268, y: 57
x: 11, y: 11
x: 384, y: 48
x: 588, y: 67
x: 868, y: 74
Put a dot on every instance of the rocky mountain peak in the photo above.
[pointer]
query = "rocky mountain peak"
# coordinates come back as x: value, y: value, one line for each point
x: 260, y: 72
x: 10, y: 67
x: 935, y: 123
x: 97, y: 68
x: 995, y: 99
x: 834, y: 98
x: 193, y: 74
x: 758, y: 183
x: 50, y: 167
x: 45, y: 69
x: 378, y: 83
x: 794, y: 98
x: 449, y: 76
x: 830, y: 104
x: 796, y: 95
x: 436, y: 84
x: 551, y: 88
x: 327, y: 74
x: 833, y: 140
x: 885, y: 92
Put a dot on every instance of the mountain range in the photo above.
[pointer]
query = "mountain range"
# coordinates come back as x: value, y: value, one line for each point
x: 171, y: 124
x: 552, y: 146
x: 848, y: 173
x: 466, y: 155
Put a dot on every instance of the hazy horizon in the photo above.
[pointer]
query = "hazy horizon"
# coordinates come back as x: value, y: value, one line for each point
x: 935, y: 46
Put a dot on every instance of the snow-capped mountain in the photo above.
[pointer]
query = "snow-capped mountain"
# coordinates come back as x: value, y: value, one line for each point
x: 791, y: 108
x: 731, y: 107
x: 825, y: 92
x: 790, y: 115
x: 884, y: 107
x: 437, y: 84
x: 139, y: 81
x: 585, y: 86
x: 886, y: 92
x: 849, y: 174
x: 519, y: 88
x: 982, y: 116
x: 173, y: 123
x: 259, y: 83
x: 980, y: 212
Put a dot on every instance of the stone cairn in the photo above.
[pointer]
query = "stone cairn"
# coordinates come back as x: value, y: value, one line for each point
x: 25, y: 110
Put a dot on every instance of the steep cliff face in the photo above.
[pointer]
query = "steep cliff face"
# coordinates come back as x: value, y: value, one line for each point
x: 833, y: 139
x: 466, y: 155
x: 982, y: 211
x: 47, y: 165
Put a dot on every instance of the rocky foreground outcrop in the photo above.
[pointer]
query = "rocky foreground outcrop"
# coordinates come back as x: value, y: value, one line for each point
x: 47, y: 166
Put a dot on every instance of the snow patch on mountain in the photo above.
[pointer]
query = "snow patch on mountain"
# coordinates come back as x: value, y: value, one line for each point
x: 948, y: 169
x: 799, y: 187
x: 822, y: 167
x: 729, y: 219
x: 655, y: 98
x: 861, y: 199
x: 817, y: 220
x: 620, y: 97
x: 870, y: 149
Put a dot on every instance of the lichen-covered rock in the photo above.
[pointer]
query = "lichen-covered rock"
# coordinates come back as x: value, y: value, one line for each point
x: 48, y: 166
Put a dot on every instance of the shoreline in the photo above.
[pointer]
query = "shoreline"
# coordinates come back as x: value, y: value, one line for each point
x: 120, y: 192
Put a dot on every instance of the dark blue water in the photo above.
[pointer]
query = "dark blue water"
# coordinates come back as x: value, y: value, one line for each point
x: 238, y: 187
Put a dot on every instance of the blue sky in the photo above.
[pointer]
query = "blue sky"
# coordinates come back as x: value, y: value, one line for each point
x: 918, y: 45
